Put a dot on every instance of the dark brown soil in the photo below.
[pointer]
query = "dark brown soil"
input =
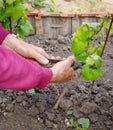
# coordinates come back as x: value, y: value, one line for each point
x: 35, y: 111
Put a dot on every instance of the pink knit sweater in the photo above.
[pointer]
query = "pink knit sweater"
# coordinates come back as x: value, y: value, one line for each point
x: 19, y: 73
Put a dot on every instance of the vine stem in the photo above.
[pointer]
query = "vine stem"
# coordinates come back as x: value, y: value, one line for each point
x: 11, y: 30
x: 107, y: 35
x: 8, y: 18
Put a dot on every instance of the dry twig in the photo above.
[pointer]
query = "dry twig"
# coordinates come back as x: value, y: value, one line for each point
x: 64, y: 92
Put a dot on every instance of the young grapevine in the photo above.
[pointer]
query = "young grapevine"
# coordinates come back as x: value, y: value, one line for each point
x: 13, y: 17
x: 87, y: 53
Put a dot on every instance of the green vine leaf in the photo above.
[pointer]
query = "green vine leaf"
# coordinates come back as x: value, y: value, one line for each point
x: 53, y: 1
x: 107, y: 25
x: 39, y: 3
x: 99, y: 49
x: 19, y: 9
x: 89, y: 73
x: 95, y: 27
x: 78, y: 48
x: 80, y: 41
x: 87, y: 52
x: 13, y: 17
x: 92, y: 69
x: 6, y: 24
x: 9, y: 1
x: 91, y: 49
x: 94, y: 60
x: 24, y: 27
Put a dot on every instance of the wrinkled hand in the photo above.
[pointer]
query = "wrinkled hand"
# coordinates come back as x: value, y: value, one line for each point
x: 25, y: 49
x: 62, y: 71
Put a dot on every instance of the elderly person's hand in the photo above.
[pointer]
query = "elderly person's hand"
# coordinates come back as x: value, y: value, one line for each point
x: 62, y: 71
x: 25, y: 49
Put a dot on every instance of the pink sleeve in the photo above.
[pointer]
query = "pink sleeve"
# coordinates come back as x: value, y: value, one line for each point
x: 19, y: 73
x: 3, y: 34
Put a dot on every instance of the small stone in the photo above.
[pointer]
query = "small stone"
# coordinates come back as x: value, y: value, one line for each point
x: 40, y: 107
x: 72, y: 92
x: 47, y: 42
x: 1, y: 92
x: 55, y: 126
x: 50, y: 116
x: 61, y: 39
x: 93, y: 118
x: 49, y: 124
x: 33, y: 111
x: 98, y: 98
x: 103, y: 112
x: 14, y: 101
x: 111, y: 111
x: 3, y: 105
x: 82, y: 88
x: 24, y: 103
x: 77, y: 114
x: 111, y: 93
x: 4, y: 100
x: 9, y: 107
x: 5, y: 114
x: 88, y: 108
x: 21, y: 92
x: 65, y: 103
x: 9, y: 93
x: 96, y: 89
x: 64, y: 48
x: 19, y: 99
x: 1, y: 100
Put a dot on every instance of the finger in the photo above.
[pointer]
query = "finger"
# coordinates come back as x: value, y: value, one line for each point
x: 68, y: 76
x: 69, y: 61
x: 41, y: 51
x: 39, y: 55
x: 63, y: 58
x: 41, y: 59
x: 58, y: 57
x: 52, y: 57
x: 72, y: 72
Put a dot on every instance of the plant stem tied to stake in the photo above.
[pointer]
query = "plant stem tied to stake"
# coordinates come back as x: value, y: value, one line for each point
x: 107, y: 36
x: 91, y: 87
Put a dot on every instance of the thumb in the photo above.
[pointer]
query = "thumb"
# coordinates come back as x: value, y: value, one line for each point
x: 70, y: 60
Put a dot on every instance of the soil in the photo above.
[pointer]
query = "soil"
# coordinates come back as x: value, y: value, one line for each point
x: 20, y: 110
x: 71, y: 6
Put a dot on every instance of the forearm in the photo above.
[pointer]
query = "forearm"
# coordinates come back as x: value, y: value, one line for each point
x: 9, y: 41
x: 21, y: 74
x: 14, y: 44
x: 26, y: 50
x: 3, y: 34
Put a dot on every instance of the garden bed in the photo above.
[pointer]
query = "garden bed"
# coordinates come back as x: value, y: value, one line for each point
x: 67, y: 15
x: 70, y: 6
x: 35, y: 111
x: 54, y: 24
